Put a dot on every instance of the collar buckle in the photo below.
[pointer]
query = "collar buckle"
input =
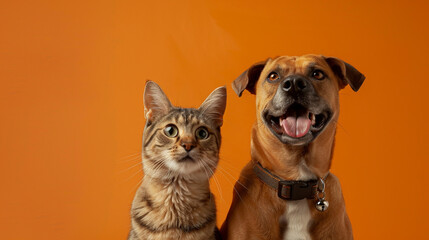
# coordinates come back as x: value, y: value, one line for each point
x: 296, y: 190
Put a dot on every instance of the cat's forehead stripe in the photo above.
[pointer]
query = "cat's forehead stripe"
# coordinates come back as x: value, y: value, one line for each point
x: 184, y: 115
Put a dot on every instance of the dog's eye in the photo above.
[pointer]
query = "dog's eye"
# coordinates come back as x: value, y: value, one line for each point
x: 273, y: 76
x: 171, y: 131
x: 318, y: 74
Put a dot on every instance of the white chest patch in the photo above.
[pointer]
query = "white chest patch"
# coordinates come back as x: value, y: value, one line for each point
x: 297, y: 212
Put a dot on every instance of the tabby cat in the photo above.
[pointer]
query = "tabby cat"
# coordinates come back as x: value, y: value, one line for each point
x: 180, y: 154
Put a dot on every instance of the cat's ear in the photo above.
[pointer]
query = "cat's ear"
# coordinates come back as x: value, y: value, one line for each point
x: 155, y: 101
x: 214, y: 105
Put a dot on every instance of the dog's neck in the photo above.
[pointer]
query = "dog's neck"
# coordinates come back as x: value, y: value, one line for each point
x: 285, y: 160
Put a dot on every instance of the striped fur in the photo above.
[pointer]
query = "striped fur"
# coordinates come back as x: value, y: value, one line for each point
x: 174, y: 200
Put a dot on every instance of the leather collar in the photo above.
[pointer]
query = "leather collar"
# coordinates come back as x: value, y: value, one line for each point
x: 286, y: 189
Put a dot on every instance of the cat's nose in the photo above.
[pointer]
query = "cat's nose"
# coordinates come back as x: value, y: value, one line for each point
x: 188, y: 146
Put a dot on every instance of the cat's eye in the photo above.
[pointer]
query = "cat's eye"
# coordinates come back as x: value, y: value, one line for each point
x: 202, y: 133
x: 273, y: 76
x: 318, y: 74
x: 171, y: 131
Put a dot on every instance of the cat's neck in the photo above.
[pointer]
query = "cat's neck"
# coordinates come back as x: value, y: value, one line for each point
x: 177, y: 188
x: 174, y: 180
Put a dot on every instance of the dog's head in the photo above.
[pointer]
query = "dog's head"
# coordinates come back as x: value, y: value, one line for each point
x: 297, y: 97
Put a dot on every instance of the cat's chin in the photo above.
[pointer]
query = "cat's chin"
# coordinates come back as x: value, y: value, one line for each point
x: 188, y: 167
x: 186, y: 159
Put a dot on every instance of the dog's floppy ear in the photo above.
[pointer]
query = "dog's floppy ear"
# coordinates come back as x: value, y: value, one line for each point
x: 247, y: 80
x: 346, y: 73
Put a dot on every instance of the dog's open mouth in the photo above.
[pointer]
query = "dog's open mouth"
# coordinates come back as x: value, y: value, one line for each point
x: 298, y: 122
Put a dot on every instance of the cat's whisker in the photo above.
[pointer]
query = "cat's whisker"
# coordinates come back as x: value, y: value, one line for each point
x: 204, y: 168
x: 232, y: 169
x: 138, y: 154
x: 237, y: 180
x: 223, y: 171
x: 219, y: 188
x: 235, y: 190
x: 158, y: 166
x: 230, y: 165
x: 131, y: 167
x: 134, y: 189
x: 133, y: 154
x: 135, y: 158
x: 130, y: 177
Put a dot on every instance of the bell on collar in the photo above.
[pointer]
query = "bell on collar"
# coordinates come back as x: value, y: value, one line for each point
x: 322, y: 205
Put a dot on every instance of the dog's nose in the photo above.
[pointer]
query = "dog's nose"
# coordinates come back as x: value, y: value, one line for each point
x: 296, y: 83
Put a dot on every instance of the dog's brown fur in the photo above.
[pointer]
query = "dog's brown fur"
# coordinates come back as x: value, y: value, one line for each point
x: 256, y: 211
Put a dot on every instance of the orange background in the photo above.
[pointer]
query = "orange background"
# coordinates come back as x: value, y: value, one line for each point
x: 72, y: 76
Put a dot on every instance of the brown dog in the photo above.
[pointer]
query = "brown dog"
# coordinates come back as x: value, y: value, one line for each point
x: 297, y: 107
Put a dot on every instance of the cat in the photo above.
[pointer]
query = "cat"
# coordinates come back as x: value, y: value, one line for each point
x: 180, y: 154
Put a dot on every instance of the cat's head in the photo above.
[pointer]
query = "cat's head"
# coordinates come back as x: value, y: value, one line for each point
x: 181, y: 141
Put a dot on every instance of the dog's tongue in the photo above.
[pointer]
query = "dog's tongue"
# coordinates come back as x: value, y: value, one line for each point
x: 296, y: 126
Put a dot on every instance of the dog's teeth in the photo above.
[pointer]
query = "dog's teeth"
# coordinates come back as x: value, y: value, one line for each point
x: 312, y: 118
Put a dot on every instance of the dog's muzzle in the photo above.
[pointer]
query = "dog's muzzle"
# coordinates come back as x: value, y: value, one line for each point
x: 296, y: 114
